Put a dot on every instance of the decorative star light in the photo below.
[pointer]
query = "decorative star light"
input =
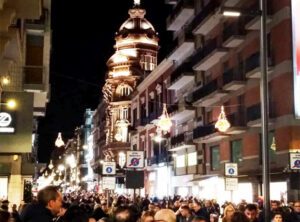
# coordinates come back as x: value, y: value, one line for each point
x: 222, y: 124
x: 164, y: 122
x: 59, y: 142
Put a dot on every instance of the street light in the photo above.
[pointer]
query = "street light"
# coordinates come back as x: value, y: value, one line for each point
x: 5, y: 80
x: 264, y: 103
x: 11, y: 104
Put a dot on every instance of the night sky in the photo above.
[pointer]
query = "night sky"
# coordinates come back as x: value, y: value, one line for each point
x: 82, y: 41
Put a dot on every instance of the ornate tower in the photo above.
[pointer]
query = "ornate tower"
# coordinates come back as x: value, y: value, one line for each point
x: 135, y: 55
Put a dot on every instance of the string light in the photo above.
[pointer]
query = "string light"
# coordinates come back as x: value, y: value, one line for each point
x: 222, y: 124
x: 164, y: 122
x: 59, y: 142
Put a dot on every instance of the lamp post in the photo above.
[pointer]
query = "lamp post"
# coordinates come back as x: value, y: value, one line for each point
x: 264, y: 101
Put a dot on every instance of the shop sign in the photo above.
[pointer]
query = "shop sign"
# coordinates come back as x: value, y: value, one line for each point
x: 109, y: 168
x: 6, y: 123
x: 231, y: 169
x: 108, y: 183
x: 231, y: 184
x: 296, y: 54
x: 295, y: 161
x: 135, y: 159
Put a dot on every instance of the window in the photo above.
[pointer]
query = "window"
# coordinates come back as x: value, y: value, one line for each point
x: 192, y: 159
x: 124, y: 90
x: 148, y: 62
x: 124, y: 113
x: 215, y: 157
x: 134, y: 117
x: 237, y: 151
x: 180, y: 161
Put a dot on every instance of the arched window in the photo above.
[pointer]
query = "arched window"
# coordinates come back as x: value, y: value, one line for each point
x: 124, y: 90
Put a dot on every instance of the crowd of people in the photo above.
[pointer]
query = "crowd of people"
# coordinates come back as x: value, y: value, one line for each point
x: 81, y: 206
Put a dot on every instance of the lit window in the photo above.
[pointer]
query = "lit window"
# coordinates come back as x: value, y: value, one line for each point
x: 148, y: 62
x: 124, y: 90
x: 192, y: 159
x: 180, y: 161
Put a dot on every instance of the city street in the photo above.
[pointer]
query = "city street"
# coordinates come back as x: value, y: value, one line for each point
x: 140, y: 110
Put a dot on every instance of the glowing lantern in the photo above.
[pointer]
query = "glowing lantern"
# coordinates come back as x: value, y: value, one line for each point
x: 273, y: 145
x: 222, y: 124
x: 164, y: 122
x: 50, y: 165
x: 59, y: 142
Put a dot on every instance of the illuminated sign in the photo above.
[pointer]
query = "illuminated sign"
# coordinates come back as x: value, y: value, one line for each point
x: 296, y: 54
x: 6, y: 123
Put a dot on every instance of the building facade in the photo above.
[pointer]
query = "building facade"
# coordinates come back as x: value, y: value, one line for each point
x: 24, y: 74
x: 135, y: 57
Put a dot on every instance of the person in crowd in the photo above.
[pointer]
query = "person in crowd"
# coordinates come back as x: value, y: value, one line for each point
x: 199, y: 219
x: 4, y: 205
x: 15, y: 214
x: 165, y: 215
x: 239, y: 217
x: 126, y: 214
x: 213, y: 218
x: 4, y: 216
x: 176, y: 206
x: 157, y: 207
x: 49, y: 201
x: 75, y: 214
x: 62, y: 211
x: 104, y: 219
x: 147, y: 216
x: 151, y: 207
x: 186, y: 214
x: 228, y: 213
x: 277, y: 217
x: 200, y: 211
x: 251, y: 212
x: 295, y: 215
x: 98, y: 214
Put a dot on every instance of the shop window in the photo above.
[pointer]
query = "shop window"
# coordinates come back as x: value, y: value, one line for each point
x: 237, y: 151
x: 215, y: 157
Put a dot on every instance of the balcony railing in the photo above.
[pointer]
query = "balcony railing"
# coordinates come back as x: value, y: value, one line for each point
x: 205, y: 90
x: 237, y: 119
x: 202, y: 131
x: 144, y: 121
x: 204, y: 51
x: 180, y: 71
x: 186, y: 137
x: 209, y: 8
x: 178, y: 8
x: 230, y: 76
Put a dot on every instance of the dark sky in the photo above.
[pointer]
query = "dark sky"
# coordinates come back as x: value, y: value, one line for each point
x: 82, y: 42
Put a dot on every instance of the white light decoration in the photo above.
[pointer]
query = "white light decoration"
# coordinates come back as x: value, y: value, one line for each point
x: 273, y: 145
x: 164, y: 122
x: 50, y: 165
x: 59, y: 142
x: 71, y: 161
x: 137, y: 2
x: 119, y: 58
x: 122, y: 159
x: 222, y: 124
x: 61, y: 167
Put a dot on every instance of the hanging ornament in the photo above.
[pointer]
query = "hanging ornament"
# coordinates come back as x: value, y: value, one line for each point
x: 50, y: 165
x: 222, y: 124
x: 273, y: 145
x: 59, y: 142
x: 164, y: 122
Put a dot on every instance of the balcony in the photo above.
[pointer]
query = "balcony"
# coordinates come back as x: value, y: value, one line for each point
x: 144, y: 121
x: 208, y: 94
x: 34, y: 79
x: 182, y: 76
x: 233, y: 35
x: 182, y: 46
x: 252, y: 66
x: 207, y: 19
x: 233, y: 81
x: 182, y: 141
x: 183, y: 11
x: 254, y: 23
x: 207, y: 134
x: 231, y: 3
x: 208, y: 56
x: 181, y: 111
x: 37, y: 25
x: 238, y: 123
x: 254, y: 115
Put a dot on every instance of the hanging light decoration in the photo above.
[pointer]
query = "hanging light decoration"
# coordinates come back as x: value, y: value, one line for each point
x: 50, y: 165
x: 164, y: 122
x: 59, y: 142
x: 222, y: 124
x: 273, y: 145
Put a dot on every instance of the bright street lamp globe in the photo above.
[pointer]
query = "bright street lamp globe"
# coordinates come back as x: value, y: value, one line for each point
x: 11, y: 104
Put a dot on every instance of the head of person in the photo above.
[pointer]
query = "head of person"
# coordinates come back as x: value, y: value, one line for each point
x: 157, y: 208
x: 50, y: 198
x: 207, y: 203
x: 274, y: 205
x: 239, y: 217
x: 63, y: 209
x: 213, y: 218
x: 196, y: 206
x: 191, y: 205
x: 14, y: 207
x: 177, y: 203
x: 147, y: 216
x: 297, y: 206
x: 75, y: 214
x: 251, y: 211
x: 229, y: 211
x: 151, y: 206
x: 126, y: 214
x: 277, y: 217
x: 199, y: 219
x: 165, y: 215
x: 185, y: 211
x: 103, y: 219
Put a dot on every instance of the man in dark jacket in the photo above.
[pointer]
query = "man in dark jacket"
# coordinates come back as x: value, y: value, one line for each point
x: 295, y: 215
x: 49, y: 201
x: 200, y: 211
